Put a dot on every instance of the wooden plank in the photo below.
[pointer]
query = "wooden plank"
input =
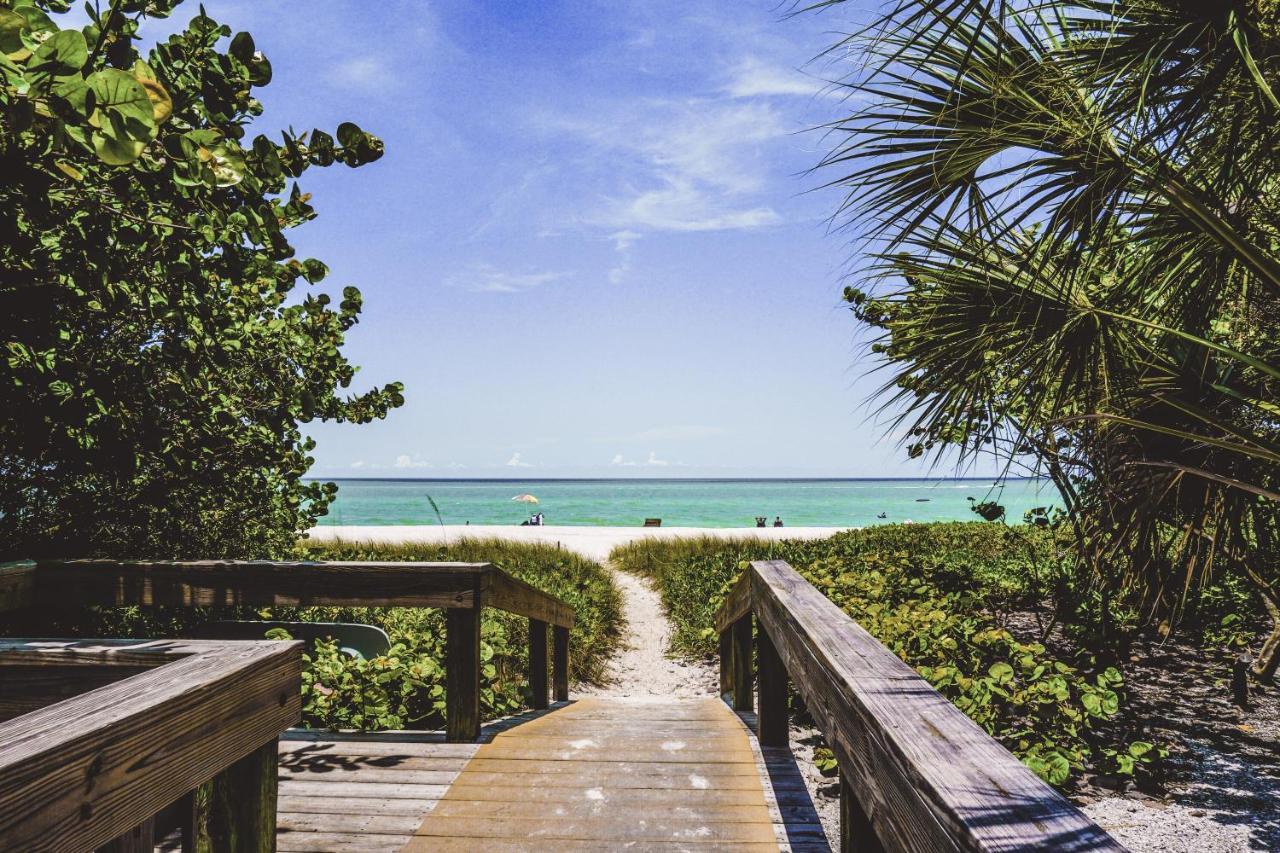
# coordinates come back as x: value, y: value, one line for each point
x: 927, y: 777
x: 361, y: 790
x: 462, y: 673
x: 740, y: 633
x: 772, y: 685
x: 209, y: 583
x: 515, y: 596
x: 295, y: 805
x: 538, y: 664
x: 79, y: 773
x: 331, y: 842
x: 736, y: 604
x: 28, y: 688
x: 492, y: 845
x: 604, y: 830
x: 375, y: 824
x: 560, y: 663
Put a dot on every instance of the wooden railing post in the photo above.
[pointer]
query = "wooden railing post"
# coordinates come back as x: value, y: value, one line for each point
x: 462, y: 675
x: 726, y: 665
x: 235, y: 811
x: 560, y: 663
x: 772, y: 684
x: 462, y: 671
x: 741, y: 631
x: 538, y: 663
x: 857, y: 835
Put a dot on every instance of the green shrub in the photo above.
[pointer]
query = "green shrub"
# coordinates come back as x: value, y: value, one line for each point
x: 934, y: 595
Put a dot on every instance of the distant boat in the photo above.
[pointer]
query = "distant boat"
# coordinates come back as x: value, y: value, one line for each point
x: 923, y: 500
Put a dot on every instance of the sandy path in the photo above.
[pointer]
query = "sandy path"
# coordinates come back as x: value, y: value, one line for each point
x: 641, y: 667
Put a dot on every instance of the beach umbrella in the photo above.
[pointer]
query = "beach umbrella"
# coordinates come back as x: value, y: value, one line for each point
x: 525, y: 499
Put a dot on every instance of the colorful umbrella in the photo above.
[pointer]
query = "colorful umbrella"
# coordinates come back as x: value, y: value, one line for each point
x: 525, y: 499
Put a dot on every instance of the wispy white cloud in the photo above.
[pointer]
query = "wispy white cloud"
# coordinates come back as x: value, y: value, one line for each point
x: 622, y: 242
x: 484, y: 278
x: 404, y: 460
x: 655, y: 461
x: 516, y: 462
x: 363, y: 72
x: 682, y: 432
x: 754, y: 78
x: 359, y: 463
x: 684, y: 165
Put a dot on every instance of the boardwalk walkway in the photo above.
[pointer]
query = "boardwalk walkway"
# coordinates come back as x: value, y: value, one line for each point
x: 595, y: 774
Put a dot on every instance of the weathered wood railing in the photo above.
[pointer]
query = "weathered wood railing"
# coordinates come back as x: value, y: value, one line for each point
x: 461, y: 588
x: 916, y: 774
x: 143, y: 736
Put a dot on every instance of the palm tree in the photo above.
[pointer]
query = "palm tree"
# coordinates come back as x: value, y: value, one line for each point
x: 1071, y: 214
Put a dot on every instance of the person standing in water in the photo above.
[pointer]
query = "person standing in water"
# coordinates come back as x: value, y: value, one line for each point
x: 777, y: 521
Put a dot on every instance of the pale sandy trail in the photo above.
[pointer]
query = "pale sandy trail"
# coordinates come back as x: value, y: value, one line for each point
x: 641, y: 667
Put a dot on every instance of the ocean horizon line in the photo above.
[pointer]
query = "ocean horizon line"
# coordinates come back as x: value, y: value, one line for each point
x: 680, y: 479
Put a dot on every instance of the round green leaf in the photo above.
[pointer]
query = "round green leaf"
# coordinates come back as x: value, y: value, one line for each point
x: 64, y: 53
x: 120, y: 93
x: 11, y: 27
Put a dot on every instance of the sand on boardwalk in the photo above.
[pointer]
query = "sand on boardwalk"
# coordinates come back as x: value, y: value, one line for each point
x: 592, y: 542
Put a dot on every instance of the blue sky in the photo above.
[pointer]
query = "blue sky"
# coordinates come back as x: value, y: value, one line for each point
x: 591, y: 248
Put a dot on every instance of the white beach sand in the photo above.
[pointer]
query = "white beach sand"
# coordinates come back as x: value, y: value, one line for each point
x: 592, y: 542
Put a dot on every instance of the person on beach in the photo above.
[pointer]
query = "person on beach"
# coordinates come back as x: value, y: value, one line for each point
x: 762, y: 520
x: 777, y: 521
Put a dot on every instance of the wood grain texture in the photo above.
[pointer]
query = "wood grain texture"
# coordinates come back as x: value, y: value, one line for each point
x: 538, y: 664
x: 549, y: 783
x: 773, y: 688
x: 560, y: 663
x: 84, y: 771
x: 737, y: 603
x: 740, y: 636
x: 210, y: 583
x: 235, y: 812
x: 462, y: 674
x: 927, y: 777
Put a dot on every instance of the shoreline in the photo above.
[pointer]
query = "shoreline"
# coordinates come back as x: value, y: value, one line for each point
x: 592, y: 542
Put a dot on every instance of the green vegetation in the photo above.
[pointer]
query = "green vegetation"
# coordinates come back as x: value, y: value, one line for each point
x: 158, y: 362
x: 1071, y: 210
x: 943, y: 597
x: 405, y: 687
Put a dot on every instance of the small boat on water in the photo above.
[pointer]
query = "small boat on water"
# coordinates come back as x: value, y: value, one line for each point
x: 923, y: 500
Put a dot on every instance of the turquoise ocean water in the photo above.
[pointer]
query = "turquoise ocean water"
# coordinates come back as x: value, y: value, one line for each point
x: 679, y: 503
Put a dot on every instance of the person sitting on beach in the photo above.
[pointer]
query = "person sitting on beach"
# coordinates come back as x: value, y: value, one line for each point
x: 777, y: 521
x: 762, y: 520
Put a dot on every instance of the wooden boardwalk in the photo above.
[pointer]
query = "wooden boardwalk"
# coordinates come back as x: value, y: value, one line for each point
x: 595, y: 774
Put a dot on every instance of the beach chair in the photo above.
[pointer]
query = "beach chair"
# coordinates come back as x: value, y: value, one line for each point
x: 653, y: 522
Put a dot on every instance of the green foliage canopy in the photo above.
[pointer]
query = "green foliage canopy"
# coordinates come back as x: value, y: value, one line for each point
x: 1071, y: 209
x: 157, y: 368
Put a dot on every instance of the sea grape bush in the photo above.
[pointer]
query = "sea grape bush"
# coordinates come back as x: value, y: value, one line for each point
x: 157, y: 360
x: 934, y: 595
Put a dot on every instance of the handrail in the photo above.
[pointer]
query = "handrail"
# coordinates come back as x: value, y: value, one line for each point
x: 104, y: 765
x: 916, y: 774
x: 462, y: 589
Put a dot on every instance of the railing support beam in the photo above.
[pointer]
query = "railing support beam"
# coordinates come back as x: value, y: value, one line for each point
x: 726, y: 665
x: 462, y: 672
x: 538, y: 663
x: 560, y: 663
x: 235, y: 811
x: 741, y: 639
x: 772, y: 684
